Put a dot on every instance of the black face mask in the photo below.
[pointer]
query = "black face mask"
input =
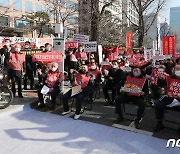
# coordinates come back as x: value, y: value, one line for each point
x: 82, y: 71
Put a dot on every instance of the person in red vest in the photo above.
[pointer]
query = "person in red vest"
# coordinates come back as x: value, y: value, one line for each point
x: 52, y: 80
x: 84, y: 79
x: 81, y: 54
x: 16, y: 61
x: 166, y: 100
x: 129, y: 97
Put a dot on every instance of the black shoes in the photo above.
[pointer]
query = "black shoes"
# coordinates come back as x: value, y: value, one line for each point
x: 41, y: 105
x: 137, y: 123
x: 159, y: 127
x: 119, y: 119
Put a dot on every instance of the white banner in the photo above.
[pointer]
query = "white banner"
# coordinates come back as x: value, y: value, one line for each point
x: 43, y: 41
x: 80, y: 38
x: 90, y: 46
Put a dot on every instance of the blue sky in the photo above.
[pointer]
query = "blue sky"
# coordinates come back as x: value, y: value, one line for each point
x: 165, y: 13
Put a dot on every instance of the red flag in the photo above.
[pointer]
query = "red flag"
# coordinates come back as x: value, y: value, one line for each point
x: 129, y: 40
x: 165, y: 42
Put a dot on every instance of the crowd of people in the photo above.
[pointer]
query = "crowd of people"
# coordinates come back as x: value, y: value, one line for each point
x: 113, y: 74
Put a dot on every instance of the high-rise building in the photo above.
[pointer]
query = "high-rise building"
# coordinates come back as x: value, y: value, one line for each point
x: 11, y: 12
x: 175, y: 19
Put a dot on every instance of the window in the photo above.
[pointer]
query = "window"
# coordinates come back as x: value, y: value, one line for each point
x: 45, y: 30
x: 47, y: 10
x: 38, y: 7
x: 29, y: 7
x: 4, y: 2
x: 18, y: 23
x: 71, y: 5
x: 17, y: 4
x: 73, y: 19
x: 4, y: 21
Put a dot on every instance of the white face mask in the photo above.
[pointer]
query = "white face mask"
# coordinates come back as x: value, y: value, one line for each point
x: 27, y: 46
x: 17, y: 49
x: 49, y: 49
x: 93, y: 67
x: 136, y: 74
x: 54, y: 69
x: 177, y: 73
x: 160, y: 70
x: 7, y: 44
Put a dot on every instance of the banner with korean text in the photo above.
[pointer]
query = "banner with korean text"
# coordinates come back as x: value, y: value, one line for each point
x: 129, y: 40
x: 173, y: 88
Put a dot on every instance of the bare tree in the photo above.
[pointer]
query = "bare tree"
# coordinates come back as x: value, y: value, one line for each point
x: 143, y: 8
x: 65, y: 13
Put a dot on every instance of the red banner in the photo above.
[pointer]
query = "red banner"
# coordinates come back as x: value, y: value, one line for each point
x: 173, y: 88
x: 169, y: 46
x: 47, y: 57
x: 129, y: 40
x: 172, y: 45
x: 134, y: 84
x: 71, y: 45
x: 165, y: 42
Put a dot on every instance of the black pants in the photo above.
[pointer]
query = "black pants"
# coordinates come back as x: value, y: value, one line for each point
x: 124, y: 98
x: 79, y: 98
x: 114, y: 87
x: 54, y: 93
x: 30, y: 76
x: 161, y: 107
x: 16, y: 76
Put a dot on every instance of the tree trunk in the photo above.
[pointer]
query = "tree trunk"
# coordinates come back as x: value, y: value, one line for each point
x: 95, y: 20
x: 141, y: 25
x: 40, y: 32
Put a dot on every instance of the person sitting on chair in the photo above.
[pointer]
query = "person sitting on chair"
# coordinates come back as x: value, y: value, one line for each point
x: 52, y: 81
x: 136, y: 79
x: 85, y: 80
x: 166, y: 100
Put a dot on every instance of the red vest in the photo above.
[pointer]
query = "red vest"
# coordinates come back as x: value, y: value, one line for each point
x: 16, y: 61
x: 52, y: 78
x: 95, y: 73
x: 73, y: 58
x: 81, y: 55
x: 81, y: 79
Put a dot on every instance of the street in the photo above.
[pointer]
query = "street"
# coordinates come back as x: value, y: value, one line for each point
x: 25, y: 130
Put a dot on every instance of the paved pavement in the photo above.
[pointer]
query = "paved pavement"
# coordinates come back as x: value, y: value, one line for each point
x: 105, y: 115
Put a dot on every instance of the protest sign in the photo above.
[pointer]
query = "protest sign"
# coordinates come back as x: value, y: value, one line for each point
x: 129, y: 40
x: 42, y: 41
x: 173, y: 88
x: 90, y: 46
x: 47, y: 57
x: 80, y: 38
x: 71, y: 45
x: 134, y: 85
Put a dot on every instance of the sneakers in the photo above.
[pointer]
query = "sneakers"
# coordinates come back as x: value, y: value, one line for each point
x: 137, y: 124
x: 119, y: 119
x: 159, y: 127
x: 66, y: 112
x: 77, y: 116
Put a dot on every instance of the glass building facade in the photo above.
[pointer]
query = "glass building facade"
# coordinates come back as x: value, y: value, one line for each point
x: 175, y: 19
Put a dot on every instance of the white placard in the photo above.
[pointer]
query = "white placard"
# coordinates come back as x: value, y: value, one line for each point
x: 160, y: 57
x: 80, y: 38
x: 100, y: 50
x: 90, y: 46
x: 76, y: 90
x: 44, y: 90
